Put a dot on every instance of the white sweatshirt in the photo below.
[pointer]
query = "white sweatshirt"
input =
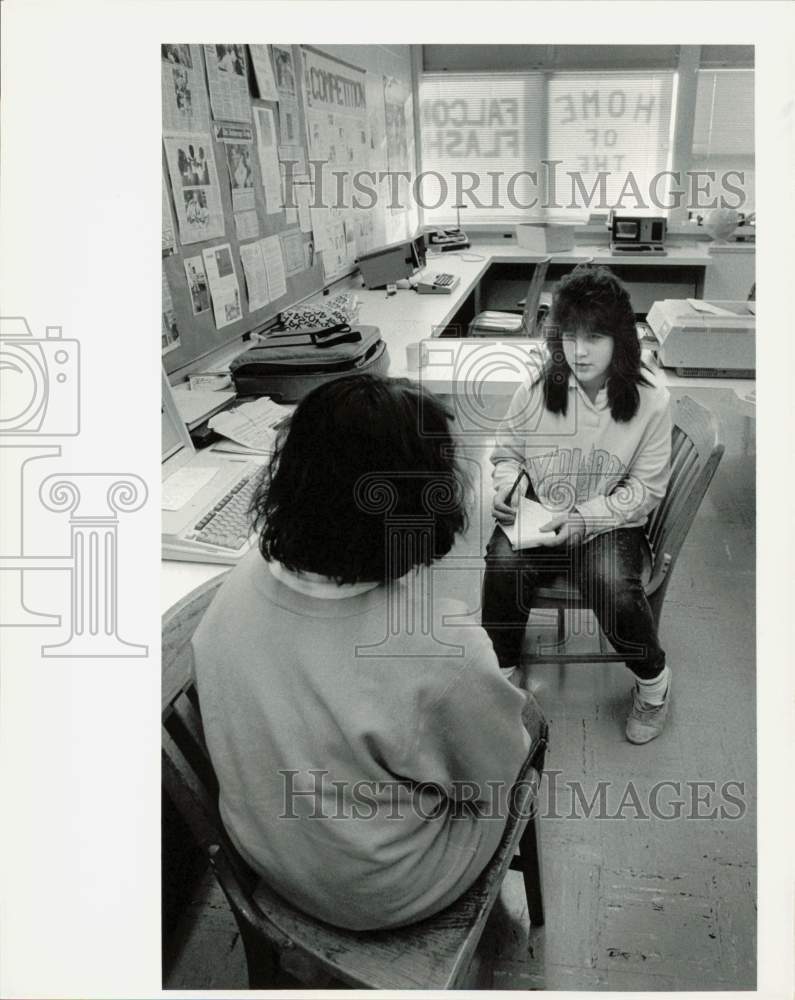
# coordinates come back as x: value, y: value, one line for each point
x: 613, y: 473
x: 323, y: 724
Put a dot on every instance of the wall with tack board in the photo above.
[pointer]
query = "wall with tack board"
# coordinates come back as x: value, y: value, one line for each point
x: 347, y: 105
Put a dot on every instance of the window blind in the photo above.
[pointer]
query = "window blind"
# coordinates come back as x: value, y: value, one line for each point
x: 723, y: 129
x: 724, y: 122
x: 490, y: 141
x: 481, y: 132
x: 612, y: 134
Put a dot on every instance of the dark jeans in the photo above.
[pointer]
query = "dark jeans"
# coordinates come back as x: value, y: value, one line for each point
x: 606, y: 568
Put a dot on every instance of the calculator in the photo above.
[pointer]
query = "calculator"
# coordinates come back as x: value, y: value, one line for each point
x: 439, y: 284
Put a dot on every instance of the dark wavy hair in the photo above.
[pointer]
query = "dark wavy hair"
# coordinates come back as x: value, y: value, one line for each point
x: 362, y: 456
x: 591, y: 299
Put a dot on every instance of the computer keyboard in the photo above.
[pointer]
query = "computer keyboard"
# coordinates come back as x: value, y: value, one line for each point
x: 227, y: 525
x: 443, y: 279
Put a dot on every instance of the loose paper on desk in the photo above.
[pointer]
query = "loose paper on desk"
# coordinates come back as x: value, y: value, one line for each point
x: 269, y: 164
x: 252, y: 424
x: 256, y: 275
x: 524, y: 533
x: 274, y: 265
x: 263, y: 71
x: 196, y: 404
x: 182, y: 485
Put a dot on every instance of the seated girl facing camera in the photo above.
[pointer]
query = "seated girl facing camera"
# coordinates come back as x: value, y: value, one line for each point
x: 344, y: 730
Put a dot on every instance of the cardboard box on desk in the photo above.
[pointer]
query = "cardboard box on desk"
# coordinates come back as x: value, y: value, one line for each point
x: 545, y: 237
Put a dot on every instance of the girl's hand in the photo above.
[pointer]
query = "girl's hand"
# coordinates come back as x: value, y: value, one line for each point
x: 571, y: 525
x: 505, y: 512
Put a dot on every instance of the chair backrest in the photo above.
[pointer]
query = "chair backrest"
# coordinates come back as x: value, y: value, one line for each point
x: 188, y: 775
x: 530, y: 312
x: 695, y: 454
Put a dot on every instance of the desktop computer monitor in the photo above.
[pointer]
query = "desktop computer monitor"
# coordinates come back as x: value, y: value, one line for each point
x: 390, y: 263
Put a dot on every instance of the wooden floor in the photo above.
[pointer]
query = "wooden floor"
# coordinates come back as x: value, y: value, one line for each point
x: 634, y: 901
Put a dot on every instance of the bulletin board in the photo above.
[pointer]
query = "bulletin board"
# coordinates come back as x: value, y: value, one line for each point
x: 233, y: 115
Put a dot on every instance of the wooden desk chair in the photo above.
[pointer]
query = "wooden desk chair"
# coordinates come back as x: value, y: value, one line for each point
x: 493, y: 323
x: 695, y: 455
x: 433, y: 954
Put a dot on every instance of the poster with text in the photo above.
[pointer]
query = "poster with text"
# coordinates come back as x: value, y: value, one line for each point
x: 169, y: 334
x: 197, y: 284
x: 267, y: 145
x: 184, y: 92
x: 337, y: 127
x: 224, y: 289
x: 194, y: 183
x: 263, y: 72
x: 227, y: 77
x: 284, y: 69
x: 397, y: 148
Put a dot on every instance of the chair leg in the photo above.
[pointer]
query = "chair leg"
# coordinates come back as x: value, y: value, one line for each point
x: 530, y: 856
x: 561, y: 627
x: 261, y: 959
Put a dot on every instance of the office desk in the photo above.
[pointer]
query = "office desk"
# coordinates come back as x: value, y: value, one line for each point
x: 407, y: 317
x: 458, y: 365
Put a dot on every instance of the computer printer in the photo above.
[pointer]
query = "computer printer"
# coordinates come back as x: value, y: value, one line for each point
x: 705, y: 339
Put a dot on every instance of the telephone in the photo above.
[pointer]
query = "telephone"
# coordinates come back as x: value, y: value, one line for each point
x: 448, y: 239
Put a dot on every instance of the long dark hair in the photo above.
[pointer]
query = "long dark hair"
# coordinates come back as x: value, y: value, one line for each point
x: 364, y: 484
x: 592, y: 299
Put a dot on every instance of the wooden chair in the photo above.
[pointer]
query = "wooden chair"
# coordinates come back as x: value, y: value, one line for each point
x: 433, y: 954
x: 493, y: 323
x: 695, y: 454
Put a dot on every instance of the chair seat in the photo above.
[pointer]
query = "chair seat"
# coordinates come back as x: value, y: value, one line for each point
x: 494, y: 322
x: 558, y: 591
x: 432, y: 954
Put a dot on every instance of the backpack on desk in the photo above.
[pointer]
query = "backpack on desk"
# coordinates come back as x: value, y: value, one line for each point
x: 287, y: 364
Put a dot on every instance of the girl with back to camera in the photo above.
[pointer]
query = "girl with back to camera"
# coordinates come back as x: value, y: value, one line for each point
x: 592, y: 432
x: 340, y: 732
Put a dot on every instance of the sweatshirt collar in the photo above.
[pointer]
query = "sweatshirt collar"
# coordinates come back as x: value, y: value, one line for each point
x: 315, y: 585
x: 600, y: 403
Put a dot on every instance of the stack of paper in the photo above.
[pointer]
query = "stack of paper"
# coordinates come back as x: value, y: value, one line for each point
x: 250, y: 427
x: 525, y: 531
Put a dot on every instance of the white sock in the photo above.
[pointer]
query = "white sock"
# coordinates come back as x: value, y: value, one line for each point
x: 508, y: 672
x: 653, y: 692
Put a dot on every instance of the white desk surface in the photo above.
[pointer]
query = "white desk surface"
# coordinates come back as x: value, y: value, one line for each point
x: 407, y: 317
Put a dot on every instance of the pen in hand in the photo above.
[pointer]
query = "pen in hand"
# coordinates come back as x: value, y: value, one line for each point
x: 509, y: 495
